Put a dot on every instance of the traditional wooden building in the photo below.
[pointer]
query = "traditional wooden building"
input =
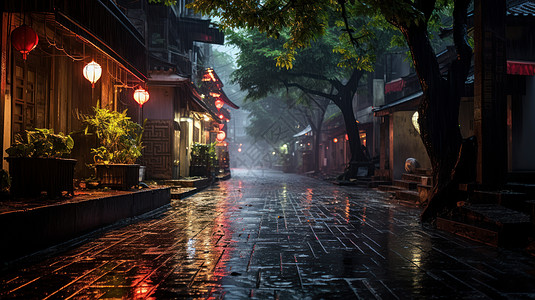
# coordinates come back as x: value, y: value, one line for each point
x: 47, y: 89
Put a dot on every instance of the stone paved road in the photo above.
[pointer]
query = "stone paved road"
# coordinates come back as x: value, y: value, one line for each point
x: 277, y: 236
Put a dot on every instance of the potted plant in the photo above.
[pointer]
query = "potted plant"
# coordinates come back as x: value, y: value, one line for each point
x: 37, y: 163
x: 203, y: 160
x: 120, y: 147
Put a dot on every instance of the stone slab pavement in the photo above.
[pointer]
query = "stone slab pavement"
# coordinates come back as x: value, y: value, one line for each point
x: 270, y: 235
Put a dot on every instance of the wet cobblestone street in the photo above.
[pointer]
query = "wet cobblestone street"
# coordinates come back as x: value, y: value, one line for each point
x: 278, y: 236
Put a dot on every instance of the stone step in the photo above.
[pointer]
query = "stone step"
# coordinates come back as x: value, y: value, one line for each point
x: 488, y: 223
x: 408, y: 196
x: 421, y: 179
x: 513, y: 200
x: 521, y: 187
x: 409, y: 185
x: 376, y: 183
x: 424, y: 191
x: 425, y: 172
x: 389, y: 188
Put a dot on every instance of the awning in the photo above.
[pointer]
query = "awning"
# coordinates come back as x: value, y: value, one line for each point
x: 166, y: 79
x: 200, y: 30
x: 520, y: 68
x: 227, y: 100
x: 303, y: 132
x: 198, y: 102
x: 394, y: 86
x: 407, y: 103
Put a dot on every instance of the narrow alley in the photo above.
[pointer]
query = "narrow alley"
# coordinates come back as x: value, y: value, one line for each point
x: 266, y: 234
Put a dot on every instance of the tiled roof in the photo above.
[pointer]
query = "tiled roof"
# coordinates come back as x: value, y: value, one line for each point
x: 521, y: 8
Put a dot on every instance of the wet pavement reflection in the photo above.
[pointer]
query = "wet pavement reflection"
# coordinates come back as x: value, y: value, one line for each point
x: 266, y: 234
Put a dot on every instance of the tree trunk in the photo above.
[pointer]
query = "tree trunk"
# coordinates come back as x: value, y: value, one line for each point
x: 358, y: 156
x: 317, y: 141
x: 439, y: 112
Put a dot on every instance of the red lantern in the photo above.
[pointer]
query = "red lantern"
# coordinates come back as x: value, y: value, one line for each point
x: 221, y: 116
x: 219, y: 104
x: 24, y: 39
x: 141, y: 96
x: 221, y: 136
x: 335, y: 140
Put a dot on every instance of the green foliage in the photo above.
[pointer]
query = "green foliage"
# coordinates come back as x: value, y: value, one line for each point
x: 203, y: 155
x: 41, y: 142
x: 119, y: 137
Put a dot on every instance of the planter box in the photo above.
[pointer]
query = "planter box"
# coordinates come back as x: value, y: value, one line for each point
x: 199, y: 171
x: 118, y: 176
x: 31, y: 176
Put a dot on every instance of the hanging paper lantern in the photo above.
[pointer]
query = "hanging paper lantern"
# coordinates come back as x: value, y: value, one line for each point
x: 24, y: 39
x: 335, y: 140
x: 221, y: 136
x: 219, y: 104
x: 141, y: 96
x: 92, y: 72
x: 221, y: 116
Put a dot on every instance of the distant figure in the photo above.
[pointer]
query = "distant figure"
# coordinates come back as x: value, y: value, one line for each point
x: 411, y: 164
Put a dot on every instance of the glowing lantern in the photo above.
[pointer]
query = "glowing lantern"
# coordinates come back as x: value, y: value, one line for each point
x: 141, y: 96
x: 347, y: 137
x: 221, y: 136
x: 221, y: 116
x: 219, y: 104
x: 335, y: 140
x: 92, y: 72
x: 239, y: 149
x: 215, y: 95
x: 24, y: 39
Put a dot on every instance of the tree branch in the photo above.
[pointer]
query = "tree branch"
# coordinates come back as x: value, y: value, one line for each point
x: 310, y: 91
x: 464, y: 51
x: 353, y: 82
x: 353, y: 40
x: 335, y: 83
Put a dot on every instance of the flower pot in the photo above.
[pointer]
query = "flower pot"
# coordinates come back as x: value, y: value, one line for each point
x: 118, y: 176
x: 31, y: 176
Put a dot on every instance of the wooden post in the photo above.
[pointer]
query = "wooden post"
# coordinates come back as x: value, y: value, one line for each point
x: 490, y: 118
x: 4, y: 59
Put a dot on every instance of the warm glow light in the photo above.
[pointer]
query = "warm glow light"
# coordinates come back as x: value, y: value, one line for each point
x: 24, y: 39
x: 335, y: 140
x: 219, y: 104
x: 215, y: 95
x: 92, y: 72
x: 221, y: 116
x: 141, y: 96
x: 221, y: 136
x: 209, y: 76
x: 415, y: 121
x: 239, y: 149
x: 347, y: 137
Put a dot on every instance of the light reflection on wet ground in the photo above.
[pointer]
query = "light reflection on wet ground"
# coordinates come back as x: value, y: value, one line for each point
x: 275, y: 235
